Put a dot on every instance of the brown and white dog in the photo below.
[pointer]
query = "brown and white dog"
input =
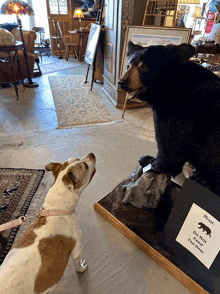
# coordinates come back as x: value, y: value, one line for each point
x: 39, y: 258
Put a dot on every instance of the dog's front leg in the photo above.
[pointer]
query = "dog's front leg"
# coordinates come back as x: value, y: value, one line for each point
x: 80, y: 264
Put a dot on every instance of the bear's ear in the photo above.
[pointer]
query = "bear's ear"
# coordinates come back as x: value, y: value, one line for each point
x: 187, y: 51
x: 132, y: 48
x: 182, y: 52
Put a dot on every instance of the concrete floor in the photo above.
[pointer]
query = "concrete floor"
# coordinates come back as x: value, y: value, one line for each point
x: 29, y: 139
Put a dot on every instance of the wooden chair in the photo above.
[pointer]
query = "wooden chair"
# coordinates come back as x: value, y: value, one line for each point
x: 39, y: 41
x: 68, y: 45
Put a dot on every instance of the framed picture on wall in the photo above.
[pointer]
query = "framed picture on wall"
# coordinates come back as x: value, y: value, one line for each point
x: 87, y: 8
x: 147, y: 36
x: 92, y: 43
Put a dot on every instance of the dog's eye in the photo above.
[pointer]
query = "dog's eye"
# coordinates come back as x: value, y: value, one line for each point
x: 86, y: 165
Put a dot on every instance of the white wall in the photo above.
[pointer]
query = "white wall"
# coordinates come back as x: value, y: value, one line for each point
x: 40, y: 15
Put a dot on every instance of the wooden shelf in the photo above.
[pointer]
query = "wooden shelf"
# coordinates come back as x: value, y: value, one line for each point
x: 160, y: 9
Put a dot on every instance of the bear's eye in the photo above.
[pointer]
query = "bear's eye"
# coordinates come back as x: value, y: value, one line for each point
x: 144, y: 67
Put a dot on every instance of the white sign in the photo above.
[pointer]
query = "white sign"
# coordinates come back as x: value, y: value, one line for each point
x: 200, y: 234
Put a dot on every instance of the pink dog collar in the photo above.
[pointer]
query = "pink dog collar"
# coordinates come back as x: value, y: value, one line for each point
x: 55, y: 212
x: 23, y: 220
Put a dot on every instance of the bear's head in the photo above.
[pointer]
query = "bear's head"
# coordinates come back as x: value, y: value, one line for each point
x: 150, y: 64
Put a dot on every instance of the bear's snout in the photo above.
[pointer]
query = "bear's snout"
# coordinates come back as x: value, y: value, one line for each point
x: 122, y: 84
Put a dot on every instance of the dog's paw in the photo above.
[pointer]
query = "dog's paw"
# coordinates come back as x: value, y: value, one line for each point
x: 82, y: 266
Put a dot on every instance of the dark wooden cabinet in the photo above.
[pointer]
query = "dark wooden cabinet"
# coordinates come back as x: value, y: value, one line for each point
x: 119, y: 14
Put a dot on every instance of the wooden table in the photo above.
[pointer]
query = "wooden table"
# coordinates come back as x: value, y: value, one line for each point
x: 82, y: 35
x: 9, y: 60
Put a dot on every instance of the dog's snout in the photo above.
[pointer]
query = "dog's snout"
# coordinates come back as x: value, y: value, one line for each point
x: 91, y: 156
x: 122, y: 84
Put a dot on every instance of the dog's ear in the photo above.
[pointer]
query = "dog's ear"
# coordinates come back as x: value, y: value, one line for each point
x: 53, y: 166
x: 69, y: 180
x: 74, y: 177
x: 132, y: 48
x: 182, y: 52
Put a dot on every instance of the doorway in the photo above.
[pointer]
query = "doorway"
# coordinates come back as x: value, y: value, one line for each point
x: 59, y: 11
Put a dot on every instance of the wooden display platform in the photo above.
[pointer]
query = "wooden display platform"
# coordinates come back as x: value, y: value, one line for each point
x: 152, y: 249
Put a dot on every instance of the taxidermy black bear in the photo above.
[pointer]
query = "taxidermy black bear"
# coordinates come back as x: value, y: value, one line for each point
x: 185, y: 98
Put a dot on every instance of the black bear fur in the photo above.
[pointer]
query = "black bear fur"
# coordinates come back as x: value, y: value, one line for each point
x: 185, y: 99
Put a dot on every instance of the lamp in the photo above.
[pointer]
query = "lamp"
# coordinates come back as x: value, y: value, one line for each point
x: 19, y: 7
x: 78, y: 14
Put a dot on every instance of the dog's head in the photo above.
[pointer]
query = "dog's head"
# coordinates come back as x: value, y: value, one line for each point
x: 147, y: 64
x: 75, y: 173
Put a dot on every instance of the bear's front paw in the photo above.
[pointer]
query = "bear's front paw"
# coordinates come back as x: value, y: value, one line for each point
x: 81, y: 267
x: 145, y: 160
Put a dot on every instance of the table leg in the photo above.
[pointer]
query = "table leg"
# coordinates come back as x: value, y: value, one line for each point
x: 80, y: 47
x: 87, y: 74
x: 19, y: 66
x: 14, y: 78
x: 93, y: 74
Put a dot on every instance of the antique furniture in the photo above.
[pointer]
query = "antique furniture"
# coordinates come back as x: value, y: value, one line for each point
x: 8, y: 62
x: 74, y: 46
x: 83, y: 34
x: 160, y: 13
x: 118, y: 15
x: 56, y: 41
x: 94, y: 51
x: 37, y: 71
x: 64, y: 14
x: 19, y: 7
x: 29, y: 38
x: 39, y: 44
x: 5, y: 73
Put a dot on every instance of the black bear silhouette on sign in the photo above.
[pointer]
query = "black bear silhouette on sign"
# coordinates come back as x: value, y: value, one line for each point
x: 205, y: 228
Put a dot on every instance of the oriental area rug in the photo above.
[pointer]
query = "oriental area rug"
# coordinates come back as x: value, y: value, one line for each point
x: 17, y: 189
x: 75, y: 103
x: 56, y: 66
